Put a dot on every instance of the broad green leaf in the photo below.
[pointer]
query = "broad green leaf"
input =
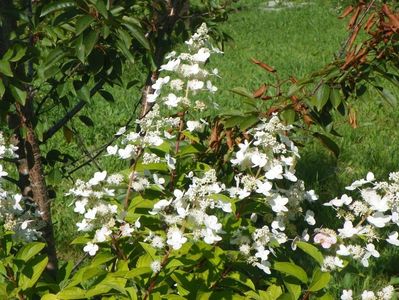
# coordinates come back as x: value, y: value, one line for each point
x: 144, y: 261
x: 292, y: 269
x: 326, y: 296
x: 312, y: 251
x: 72, y: 293
x: 149, y: 250
x: 18, y: 94
x: 320, y: 280
x: 49, y: 297
x: 242, y: 92
x: 328, y: 143
x: 18, y: 53
x: 90, y: 40
x: 101, y: 258
x: 294, y: 290
x: 136, y: 272
x: 83, y: 23
x: 335, y: 98
x: 84, y: 93
x: 288, y: 116
x: 55, y: 6
x: 102, y: 8
x: 138, y: 34
x: 322, y: 95
x: 5, y: 68
x: 32, y: 272
x: 274, y: 291
x: 80, y: 240
x: 54, y: 177
x: 98, y: 289
x: 30, y: 250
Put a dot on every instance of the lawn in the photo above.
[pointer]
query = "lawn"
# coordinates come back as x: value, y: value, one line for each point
x: 295, y: 41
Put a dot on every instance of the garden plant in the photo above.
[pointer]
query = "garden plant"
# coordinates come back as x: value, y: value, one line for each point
x: 211, y: 206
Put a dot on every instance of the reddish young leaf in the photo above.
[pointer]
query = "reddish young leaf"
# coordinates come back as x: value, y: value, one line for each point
x: 263, y: 65
x: 260, y: 91
x: 346, y: 12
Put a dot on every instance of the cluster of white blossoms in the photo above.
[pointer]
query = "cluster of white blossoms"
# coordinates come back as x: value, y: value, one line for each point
x: 99, y: 216
x: 267, y: 174
x: 366, y: 219
x: 17, y: 215
x: 386, y: 293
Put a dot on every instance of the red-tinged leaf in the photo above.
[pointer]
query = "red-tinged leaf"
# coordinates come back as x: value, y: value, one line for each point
x: 263, y: 65
x: 370, y: 22
x: 346, y: 12
x: 354, y: 17
x: 260, y: 91
x: 266, y: 98
x: 352, y: 118
x: 392, y: 18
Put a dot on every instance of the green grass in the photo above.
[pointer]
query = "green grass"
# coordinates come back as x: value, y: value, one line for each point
x: 296, y: 42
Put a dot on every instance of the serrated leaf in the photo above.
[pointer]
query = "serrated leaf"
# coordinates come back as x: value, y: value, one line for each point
x: 55, y: 6
x: 5, y: 68
x: 83, y: 23
x: 320, y: 280
x: 291, y: 269
x: 312, y: 251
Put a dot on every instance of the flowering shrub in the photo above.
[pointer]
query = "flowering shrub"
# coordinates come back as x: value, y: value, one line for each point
x: 207, y: 211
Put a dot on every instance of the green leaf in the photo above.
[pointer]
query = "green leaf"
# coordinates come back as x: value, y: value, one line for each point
x: 242, y: 92
x: 328, y: 143
x: 311, y: 250
x: 2, y: 89
x: 322, y: 95
x: 83, y: 93
x: 54, y: 177
x: 138, y: 34
x: 320, y: 280
x: 335, y: 98
x: 326, y: 296
x: 86, y: 120
x: 107, y: 96
x: 72, y: 293
x: 5, y: 68
x: 288, y: 116
x: 293, y: 289
x: 83, y: 23
x: 32, y: 272
x: 136, y: 272
x: 30, y: 250
x: 149, y: 250
x: 90, y: 40
x: 19, y: 53
x: 292, y: 269
x: 55, y: 6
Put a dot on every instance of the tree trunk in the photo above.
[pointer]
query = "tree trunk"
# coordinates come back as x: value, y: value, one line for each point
x: 40, y: 195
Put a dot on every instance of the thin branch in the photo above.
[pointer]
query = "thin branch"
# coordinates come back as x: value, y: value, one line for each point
x: 69, y: 115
